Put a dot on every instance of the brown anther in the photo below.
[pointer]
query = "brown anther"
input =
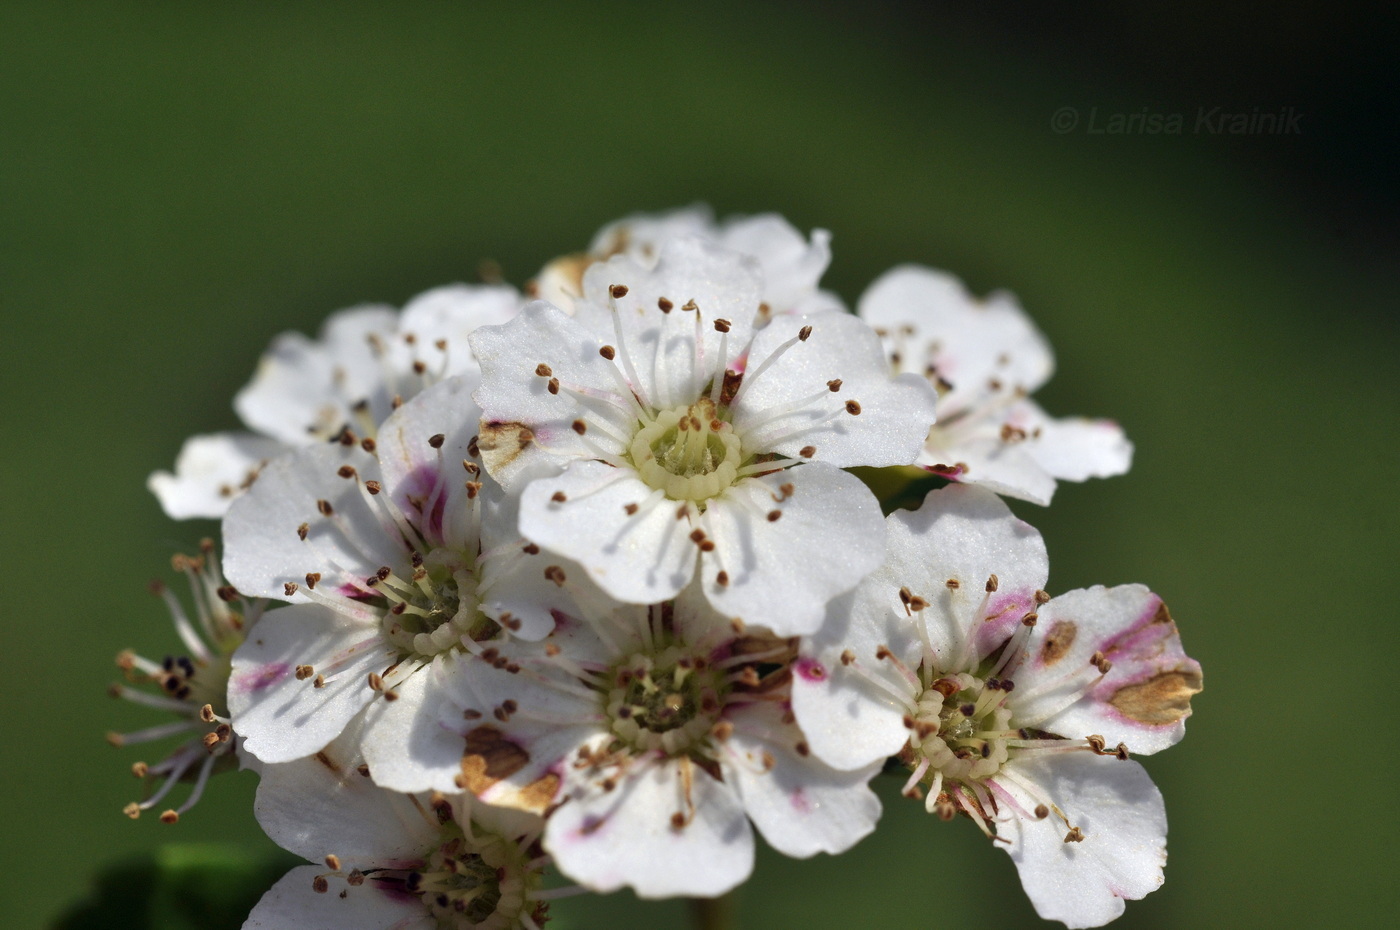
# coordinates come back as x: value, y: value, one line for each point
x: 391, y: 695
x: 303, y: 530
x: 132, y: 810
x: 722, y: 326
x: 944, y: 808
x: 580, y: 427
x: 376, y: 683
x: 618, y: 290
x: 697, y: 536
x: 368, y: 444
x: 1121, y: 752
x: 170, y: 816
x: 853, y: 408
x: 319, y: 682
x: 324, y: 506
x: 630, y: 508
x: 967, y: 710
x: 289, y: 588
x: 543, y: 370
x: 346, y: 471
x: 383, y: 572
x: 917, y: 603
x: 1097, y: 744
x: 608, y: 352
x: 1075, y: 835
x: 436, y: 440
x: 677, y: 820
x: 312, y: 578
x: 690, y: 305
x: 320, y: 885
x: 834, y: 385
x: 664, y: 304
x: 473, y: 489
x: 303, y: 672
x: 992, y: 583
x: 774, y: 516
x: 807, y: 451
x: 474, y: 447
x: 804, y: 334
x: 139, y: 769
x: 558, y: 497
x: 1030, y: 619
x: 722, y: 579
x: 355, y: 878
x: 227, y: 593
x: 883, y: 652
x: 553, y: 386
x: 1042, y: 597
x: 333, y: 862
x: 530, y: 549
x: 555, y: 574
x: 1041, y: 812
x: 847, y: 657
x: 682, y: 511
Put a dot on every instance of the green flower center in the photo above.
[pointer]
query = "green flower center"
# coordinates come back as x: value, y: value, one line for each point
x: 688, y: 452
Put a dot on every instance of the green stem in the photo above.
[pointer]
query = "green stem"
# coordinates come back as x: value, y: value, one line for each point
x: 714, y: 913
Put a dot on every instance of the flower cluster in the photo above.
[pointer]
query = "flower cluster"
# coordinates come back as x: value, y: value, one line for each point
x: 579, y: 581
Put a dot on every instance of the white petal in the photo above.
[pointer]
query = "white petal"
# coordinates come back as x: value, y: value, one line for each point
x: 606, y: 840
x: 1124, y: 822
x: 1073, y: 448
x: 641, y: 557
x: 853, y: 713
x: 450, y: 314
x: 964, y: 535
x: 782, y: 572
x: 263, y: 548
x: 323, y: 805
x: 281, y: 718
x: 800, y: 805
x: 791, y: 266
x: 660, y: 347
x: 1144, y: 699
x: 522, y: 420
x: 415, y: 743
x: 304, y: 388
x: 895, y: 413
x: 985, y: 460
x: 210, y: 472
x: 641, y: 234
x: 984, y: 348
x: 292, y: 905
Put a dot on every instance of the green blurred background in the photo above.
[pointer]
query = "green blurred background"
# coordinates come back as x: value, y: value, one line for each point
x: 179, y: 182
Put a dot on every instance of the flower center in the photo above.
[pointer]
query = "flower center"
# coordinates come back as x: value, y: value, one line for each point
x: 435, y: 607
x: 482, y: 881
x: 961, y: 727
x: 669, y: 700
x: 688, y: 452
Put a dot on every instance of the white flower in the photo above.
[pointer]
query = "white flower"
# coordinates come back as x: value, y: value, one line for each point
x: 396, y: 554
x: 686, y: 437
x: 1004, y: 702
x: 987, y: 357
x: 392, y: 861
x: 306, y: 391
x: 193, y: 687
x: 654, y: 735
x: 791, y: 265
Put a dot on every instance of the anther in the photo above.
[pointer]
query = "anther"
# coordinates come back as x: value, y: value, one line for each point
x: 228, y: 593
x: 804, y: 333
x: 847, y: 657
x: 346, y: 471
x: 312, y: 578
x: 608, y: 352
x: 807, y: 451
x: 553, y: 385
x: 579, y: 427
x: 303, y: 530
x: 677, y: 820
x: 320, y: 885
x: 722, y: 326
x: 1041, y: 812
x: 774, y: 515
x: 325, y: 507
x: 289, y: 588
x: 690, y: 305
x: 664, y: 304
x: 992, y: 583
x: 1075, y: 835
x: 530, y: 549
x: 1121, y: 752
x: 303, y: 672
x: 355, y: 878
x: 140, y: 769
x: 722, y: 579
x: 558, y: 497
x: 618, y: 290
x: 953, y: 584
x: 1042, y: 597
x: 630, y: 508
x: 333, y: 862
x: 1030, y: 619
x: 436, y: 440
x: 853, y: 408
x: 555, y: 574
x: 170, y: 816
x: 834, y: 385
x: 319, y: 682
x: 543, y: 370
x: 132, y: 810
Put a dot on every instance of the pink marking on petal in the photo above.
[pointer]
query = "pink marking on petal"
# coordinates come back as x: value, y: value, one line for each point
x: 419, y: 484
x: 1004, y: 611
x: 260, y: 678
x: 810, y: 669
x: 355, y: 593
x: 800, y: 802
